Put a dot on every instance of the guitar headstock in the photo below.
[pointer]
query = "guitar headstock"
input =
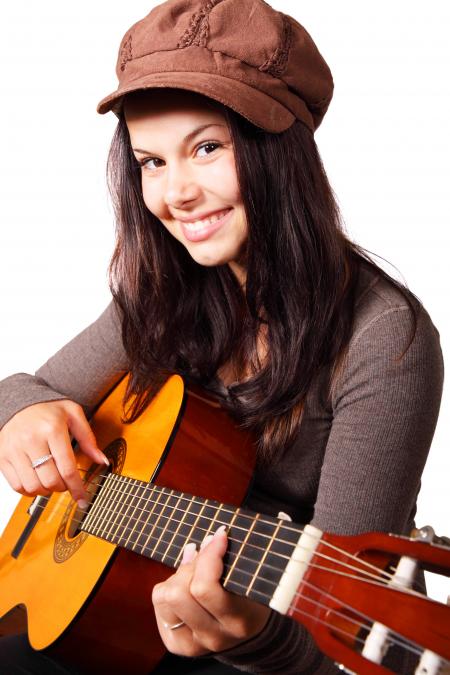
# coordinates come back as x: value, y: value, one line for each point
x: 357, y: 599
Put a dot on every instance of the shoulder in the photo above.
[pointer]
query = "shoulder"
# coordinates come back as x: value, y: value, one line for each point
x: 394, y: 344
x: 383, y: 313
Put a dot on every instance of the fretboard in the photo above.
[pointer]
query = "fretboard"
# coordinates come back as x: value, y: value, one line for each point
x: 157, y: 522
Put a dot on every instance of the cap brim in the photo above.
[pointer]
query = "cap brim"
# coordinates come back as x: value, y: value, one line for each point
x: 256, y: 106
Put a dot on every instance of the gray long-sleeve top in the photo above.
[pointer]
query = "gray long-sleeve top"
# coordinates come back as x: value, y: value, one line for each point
x: 357, y: 460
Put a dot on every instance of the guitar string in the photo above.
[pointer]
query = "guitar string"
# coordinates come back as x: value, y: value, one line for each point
x: 170, y: 519
x: 284, y: 557
x: 399, y: 640
x: 393, y: 639
x: 158, y: 490
x: 378, y: 580
x: 403, y: 642
x: 380, y: 572
x: 155, y: 489
x: 274, y: 553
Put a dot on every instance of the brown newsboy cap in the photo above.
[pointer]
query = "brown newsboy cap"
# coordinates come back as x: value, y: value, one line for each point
x: 260, y: 62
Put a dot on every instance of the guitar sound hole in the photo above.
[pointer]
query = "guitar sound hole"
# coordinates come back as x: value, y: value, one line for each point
x: 70, y: 537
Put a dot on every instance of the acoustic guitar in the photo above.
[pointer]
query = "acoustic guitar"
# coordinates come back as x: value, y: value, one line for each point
x: 80, y: 581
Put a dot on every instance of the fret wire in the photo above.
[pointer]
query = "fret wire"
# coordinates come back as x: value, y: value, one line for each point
x: 290, y: 528
x: 234, y: 563
x: 131, y: 516
x: 193, y: 526
x: 188, y: 532
x: 244, y: 541
x: 213, y: 521
x: 153, y: 525
x: 180, y: 522
x: 147, y: 519
x: 256, y: 574
x: 268, y: 547
x: 122, y: 512
x: 163, y: 527
x: 281, y: 524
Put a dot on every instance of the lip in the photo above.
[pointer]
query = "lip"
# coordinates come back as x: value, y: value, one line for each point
x: 208, y: 230
x: 198, y: 216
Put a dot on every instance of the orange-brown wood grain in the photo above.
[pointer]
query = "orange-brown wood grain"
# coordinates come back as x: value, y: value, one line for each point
x: 94, y: 608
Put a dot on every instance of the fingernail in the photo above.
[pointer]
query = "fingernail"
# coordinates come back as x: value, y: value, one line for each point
x: 207, y: 540
x: 82, y: 503
x: 189, y: 552
x: 219, y: 530
x: 103, y: 458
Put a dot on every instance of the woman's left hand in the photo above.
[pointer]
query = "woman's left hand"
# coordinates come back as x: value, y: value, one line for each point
x: 212, y: 618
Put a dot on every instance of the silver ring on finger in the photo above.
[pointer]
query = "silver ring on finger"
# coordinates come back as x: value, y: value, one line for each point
x: 174, y: 626
x: 40, y: 460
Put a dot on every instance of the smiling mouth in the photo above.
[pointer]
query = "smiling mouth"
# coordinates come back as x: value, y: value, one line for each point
x: 197, y: 225
x: 200, y: 230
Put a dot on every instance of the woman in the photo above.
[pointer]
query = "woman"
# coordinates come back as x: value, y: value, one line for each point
x: 231, y: 269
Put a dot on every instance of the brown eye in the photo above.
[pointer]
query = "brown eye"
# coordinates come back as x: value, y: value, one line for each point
x: 144, y: 162
x: 209, y: 144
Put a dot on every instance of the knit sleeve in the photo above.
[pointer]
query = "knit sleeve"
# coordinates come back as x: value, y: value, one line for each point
x: 83, y: 370
x: 385, y: 409
x: 385, y: 412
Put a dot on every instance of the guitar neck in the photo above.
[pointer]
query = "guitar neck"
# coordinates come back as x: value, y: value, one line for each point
x: 271, y: 561
x: 157, y: 522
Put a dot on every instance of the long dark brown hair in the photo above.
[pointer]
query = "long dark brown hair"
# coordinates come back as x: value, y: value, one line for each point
x: 302, y: 272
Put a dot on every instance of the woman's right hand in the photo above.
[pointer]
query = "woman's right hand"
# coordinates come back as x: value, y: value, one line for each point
x: 41, y: 429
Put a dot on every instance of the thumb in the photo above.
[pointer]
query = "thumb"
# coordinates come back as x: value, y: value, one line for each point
x: 82, y: 432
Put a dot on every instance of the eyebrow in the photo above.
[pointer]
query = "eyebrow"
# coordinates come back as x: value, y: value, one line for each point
x: 187, y: 138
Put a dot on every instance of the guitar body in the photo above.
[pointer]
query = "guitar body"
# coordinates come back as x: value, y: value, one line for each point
x: 86, y: 600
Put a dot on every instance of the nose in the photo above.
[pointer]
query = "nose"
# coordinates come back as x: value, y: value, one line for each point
x: 181, y: 185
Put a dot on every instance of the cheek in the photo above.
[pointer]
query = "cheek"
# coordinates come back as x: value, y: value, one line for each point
x: 222, y: 178
x: 150, y: 198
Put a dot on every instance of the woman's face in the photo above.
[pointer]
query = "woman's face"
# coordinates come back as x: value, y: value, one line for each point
x: 188, y: 173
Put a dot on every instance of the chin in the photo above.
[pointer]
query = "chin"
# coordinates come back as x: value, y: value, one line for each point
x: 211, y: 260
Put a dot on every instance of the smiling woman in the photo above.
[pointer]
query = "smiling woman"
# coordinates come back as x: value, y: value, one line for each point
x: 232, y: 279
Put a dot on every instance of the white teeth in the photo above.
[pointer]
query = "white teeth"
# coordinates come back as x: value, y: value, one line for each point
x: 199, y: 224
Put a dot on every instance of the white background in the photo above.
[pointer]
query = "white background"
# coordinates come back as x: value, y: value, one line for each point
x: 385, y: 143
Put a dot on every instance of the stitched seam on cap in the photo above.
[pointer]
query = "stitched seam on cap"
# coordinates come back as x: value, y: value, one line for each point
x: 276, y: 64
x: 198, y: 30
x: 126, y: 52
